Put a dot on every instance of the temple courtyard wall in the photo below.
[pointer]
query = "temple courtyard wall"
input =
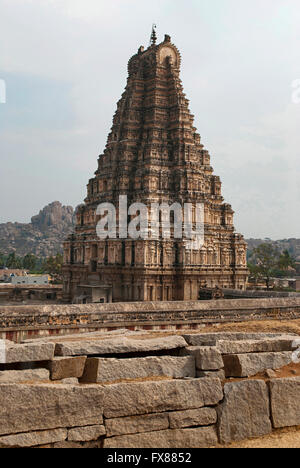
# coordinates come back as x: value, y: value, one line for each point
x: 19, y: 322
x: 127, y: 389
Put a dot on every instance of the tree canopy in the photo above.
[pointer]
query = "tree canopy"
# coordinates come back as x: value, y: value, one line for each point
x: 35, y: 265
x: 267, y: 261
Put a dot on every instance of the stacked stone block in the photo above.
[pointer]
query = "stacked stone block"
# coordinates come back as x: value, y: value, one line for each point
x: 136, y: 390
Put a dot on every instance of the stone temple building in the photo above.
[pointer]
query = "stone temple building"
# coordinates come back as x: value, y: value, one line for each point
x: 153, y: 155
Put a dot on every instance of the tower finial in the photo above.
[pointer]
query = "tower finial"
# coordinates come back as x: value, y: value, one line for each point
x: 153, y: 38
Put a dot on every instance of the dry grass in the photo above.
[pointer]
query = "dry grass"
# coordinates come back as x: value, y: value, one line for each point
x: 260, y: 326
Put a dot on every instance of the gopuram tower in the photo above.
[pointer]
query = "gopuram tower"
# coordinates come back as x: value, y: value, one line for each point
x: 153, y: 155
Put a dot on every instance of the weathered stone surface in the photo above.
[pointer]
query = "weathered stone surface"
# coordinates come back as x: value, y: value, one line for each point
x: 77, y: 445
x: 117, y: 345
x: 86, y: 434
x: 270, y: 374
x: 285, y: 401
x: 136, y: 424
x: 70, y: 381
x: 194, y: 417
x: 220, y: 374
x: 207, y: 357
x: 130, y: 399
x: 32, y: 439
x: 23, y: 375
x: 245, y: 411
x: 79, y: 336
x: 102, y: 370
x: 65, y: 368
x: 31, y: 352
x: 247, y: 365
x: 211, y: 339
x: 36, y: 407
x: 254, y: 346
x: 200, y: 437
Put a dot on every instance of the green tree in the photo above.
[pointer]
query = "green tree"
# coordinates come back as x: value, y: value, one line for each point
x: 265, y: 262
x: 29, y: 262
x: 53, y: 266
x: 286, y: 261
x: 13, y: 261
x: 2, y: 259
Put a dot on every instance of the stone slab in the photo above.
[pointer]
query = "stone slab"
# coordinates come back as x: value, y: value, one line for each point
x: 255, y: 346
x: 285, y: 402
x: 201, y: 437
x: 24, y: 375
x: 33, y: 439
x: 136, y: 424
x: 78, y: 336
x: 26, y: 408
x: 31, y: 352
x: 220, y: 374
x: 247, y: 365
x: 194, y: 417
x: 101, y: 370
x: 86, y: 434
x: 66, y: 368
x: 129, y: 399
x: 117, y: 345
x: 245, y: 412
x: 76, y: 445
x: 270, y: 374
x: 70, y: 381
x: 211, y: 339
x: 207, y: 357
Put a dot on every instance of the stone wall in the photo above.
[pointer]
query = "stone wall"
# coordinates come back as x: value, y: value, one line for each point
x: 21, y: 322
x: 253, y: 294
x: 139, y: 390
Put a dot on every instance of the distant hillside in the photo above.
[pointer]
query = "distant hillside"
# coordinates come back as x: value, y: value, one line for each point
x: 292, y: 245
x: 43, y: 237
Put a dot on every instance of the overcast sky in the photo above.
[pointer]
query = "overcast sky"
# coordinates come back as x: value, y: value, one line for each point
x: 65, y: 66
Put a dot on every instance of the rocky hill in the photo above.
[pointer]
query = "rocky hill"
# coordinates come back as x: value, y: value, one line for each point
x: 43, y: 236
x: 292, y: 245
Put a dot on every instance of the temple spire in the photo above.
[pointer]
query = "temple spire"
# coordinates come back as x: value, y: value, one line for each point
x: 153, y: 156
x: 153, y: 38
